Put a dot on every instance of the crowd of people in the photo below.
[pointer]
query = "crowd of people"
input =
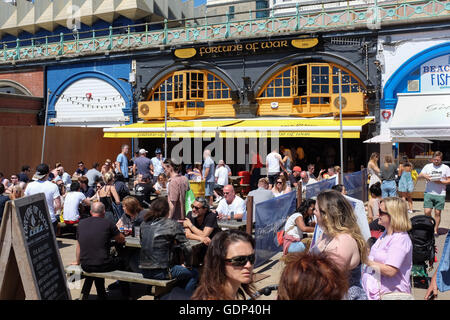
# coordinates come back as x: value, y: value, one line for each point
x: 339, y: 262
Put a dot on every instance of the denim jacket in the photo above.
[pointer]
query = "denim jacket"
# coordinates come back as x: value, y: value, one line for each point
x: 443, y: 272
x: 158, y: 240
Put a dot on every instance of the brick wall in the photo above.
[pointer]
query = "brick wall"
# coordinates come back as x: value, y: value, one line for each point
x: 33, y: 80
x: 17, y: 110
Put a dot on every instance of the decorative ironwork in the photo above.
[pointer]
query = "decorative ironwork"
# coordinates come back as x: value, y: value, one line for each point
x: 369, y: 16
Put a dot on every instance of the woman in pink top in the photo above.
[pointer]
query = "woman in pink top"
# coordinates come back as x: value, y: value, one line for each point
x: 390, y: 258
x: 341, y: 238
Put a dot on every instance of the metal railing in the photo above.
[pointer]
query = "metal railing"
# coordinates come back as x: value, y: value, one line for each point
x: 169, y: 33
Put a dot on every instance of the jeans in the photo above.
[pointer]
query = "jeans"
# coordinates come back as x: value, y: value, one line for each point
x: 388, y: 189
x: 443, y: 271
x: 296, y: 247
x: 187, y: 278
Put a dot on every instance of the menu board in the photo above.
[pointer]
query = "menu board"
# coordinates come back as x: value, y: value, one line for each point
x: 40, y: 244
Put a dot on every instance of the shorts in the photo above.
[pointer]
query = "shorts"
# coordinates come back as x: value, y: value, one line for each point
x: 272, y: 177
x: 431, y: 201
x: 209, y: 188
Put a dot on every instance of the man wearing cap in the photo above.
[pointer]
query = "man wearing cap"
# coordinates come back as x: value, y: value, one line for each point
x: 294, y: 177
x: 142, y: 164
x: 41, y: 184
x: 156, y: 167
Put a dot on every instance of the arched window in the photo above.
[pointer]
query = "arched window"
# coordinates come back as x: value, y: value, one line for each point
x: 311, y: 89
x: 190, y: 94
x: 8, y: 86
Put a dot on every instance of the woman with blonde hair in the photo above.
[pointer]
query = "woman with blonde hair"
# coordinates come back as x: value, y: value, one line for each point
x: 374, y: 170
x: 16, y: 192
x: 280, y: 186
x: 107, y: 194
x: 341, y: 238
x: 388, y: 185
x: 107, y: 167
x: 390, y: 258
x: 288, y: 161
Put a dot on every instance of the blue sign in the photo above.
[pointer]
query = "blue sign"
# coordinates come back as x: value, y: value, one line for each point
x: 269, y: 221
x: 313, y: 189
x: 355, y: 183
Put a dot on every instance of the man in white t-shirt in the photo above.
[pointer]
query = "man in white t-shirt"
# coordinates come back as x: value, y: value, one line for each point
x: 231, y: 206
x: 437, y: 175
x: 62, y: 175
x: 274, y: 165
x: 72, y: 201
x: 221, y: 174
x: 51, y: 191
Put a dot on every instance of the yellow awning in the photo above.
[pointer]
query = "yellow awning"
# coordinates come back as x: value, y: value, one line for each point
x: 243, y: 128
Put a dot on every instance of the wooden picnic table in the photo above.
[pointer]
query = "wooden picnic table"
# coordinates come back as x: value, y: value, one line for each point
x: 134, y: 242
x: 232, y: 224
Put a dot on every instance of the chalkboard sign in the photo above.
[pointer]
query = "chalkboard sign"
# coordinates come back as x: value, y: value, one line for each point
x: 32, y: 229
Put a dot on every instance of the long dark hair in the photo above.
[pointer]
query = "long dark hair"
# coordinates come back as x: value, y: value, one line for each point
x: 158, y: 209
x: 303, y: 209
x: 213, y: 278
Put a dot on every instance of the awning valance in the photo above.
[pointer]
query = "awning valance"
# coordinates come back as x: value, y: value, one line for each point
x: 242, y: 128
x: 425, y: 115
x: 387, y: 138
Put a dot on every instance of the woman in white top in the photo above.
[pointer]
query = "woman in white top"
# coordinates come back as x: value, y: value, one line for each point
x: 373, y: 169
x: 298, y: 223
x: 374, y: 202
x: 161, y: 185
x: 280, y: 186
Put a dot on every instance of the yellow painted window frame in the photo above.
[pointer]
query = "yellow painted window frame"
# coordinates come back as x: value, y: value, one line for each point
x: 184, y: 73
x: 270, y: 84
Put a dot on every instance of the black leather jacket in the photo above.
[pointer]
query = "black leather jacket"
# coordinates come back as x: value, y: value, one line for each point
x: 159, y: 238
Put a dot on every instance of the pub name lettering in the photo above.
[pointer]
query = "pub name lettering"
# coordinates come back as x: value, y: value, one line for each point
x: 252, y: 47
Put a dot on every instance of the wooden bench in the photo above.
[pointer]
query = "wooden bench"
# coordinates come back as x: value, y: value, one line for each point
x: 159, y: 287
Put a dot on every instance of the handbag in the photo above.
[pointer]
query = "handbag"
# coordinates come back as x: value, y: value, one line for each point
x: 395, y: 295
x: 281, y: 234
x: 117, y: 211
x: 280, y: 237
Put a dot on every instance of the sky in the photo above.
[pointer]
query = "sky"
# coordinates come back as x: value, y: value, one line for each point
x: 197, y: 2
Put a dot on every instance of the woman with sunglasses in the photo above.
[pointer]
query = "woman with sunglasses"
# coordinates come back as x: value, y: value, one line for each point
x: 280, y: 186
x: 390, y: 259
x: 107, y: 167
x: 341, y: 238
x: 228, y: 267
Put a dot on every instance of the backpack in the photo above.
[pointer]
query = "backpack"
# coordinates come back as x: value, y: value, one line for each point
x: 422, y: 237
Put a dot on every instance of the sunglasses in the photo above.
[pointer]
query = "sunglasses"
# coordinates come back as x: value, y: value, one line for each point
x: 241, y: 261
x: 194, y: 207
x: 382, y: 212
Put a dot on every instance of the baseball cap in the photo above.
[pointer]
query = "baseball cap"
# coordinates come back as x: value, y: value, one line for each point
x: 297, y: 168
x: 158, y: 150
x: 41, y: 171
x: 143, y: 151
